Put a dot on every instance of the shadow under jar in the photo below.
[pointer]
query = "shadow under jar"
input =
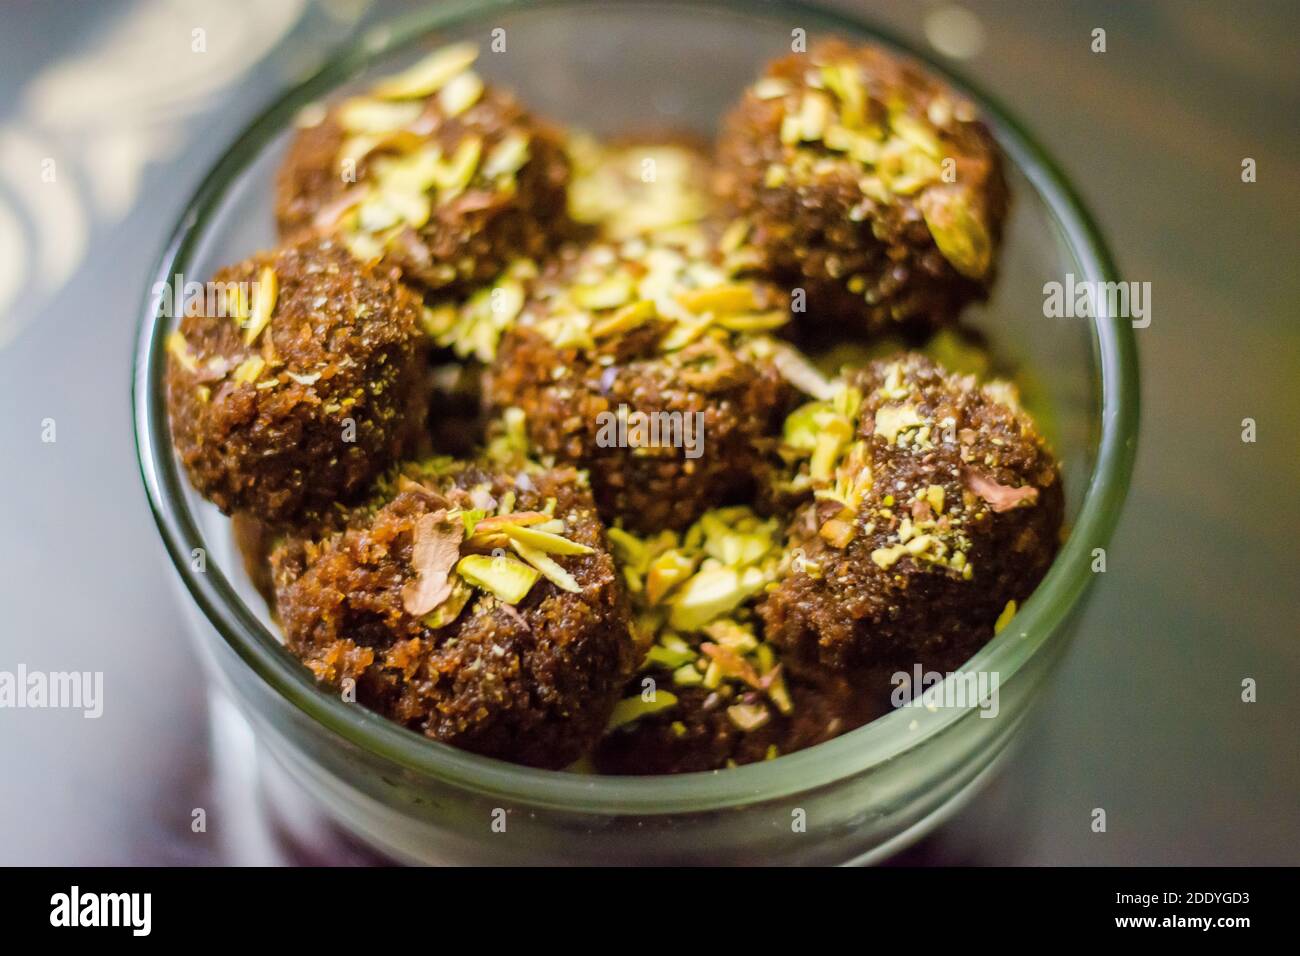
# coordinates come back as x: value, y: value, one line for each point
x: 610, y: 68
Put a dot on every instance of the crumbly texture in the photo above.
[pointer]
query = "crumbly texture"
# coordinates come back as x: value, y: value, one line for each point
x: 569, y: 383
x: 836, y: 158
x: 311, y: 409
x: 441, y: 236
x: 945, y: 506
x: 532, y: 682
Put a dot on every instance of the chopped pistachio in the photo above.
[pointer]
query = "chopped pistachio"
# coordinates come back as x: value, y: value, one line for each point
x: 428, y: 75
x: 748, y: 717
x: 544, y: 541
x: 834, y: 434
x: 814, y: 114
x: 732, y: 635
x: 179, y: 349
x: 461, y: 92
x: 711, y: 593
x: 249, y: 369
x: 687, y: 676
x: 626, y: 318
x: 670, y: 657
x: 844, y: 80
x: 609, y: 293
x: 369, y: 116
x: 507, y: 157
x: 958, y: 231
x: 263, y: 304
x: 412, y: 207
x: 548, y: 566
x: 666, y: 572
x: 457, y: 172
x: 917, y: 133
x: 886, y: 558
x: 509, y: 579
x: 375, y: 214
x: 734, y: 297
x: 893, y: 419
x: 449, y: 610
x: 631, y: 709
x: 1005, y: 617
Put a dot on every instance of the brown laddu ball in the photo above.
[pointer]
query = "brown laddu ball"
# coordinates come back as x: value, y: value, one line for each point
x: 478, y: 607
x: 869, y: 183
x: 647, y: 363
x: 295, y: 382
x: 936, y: 510
x: 433, y: 170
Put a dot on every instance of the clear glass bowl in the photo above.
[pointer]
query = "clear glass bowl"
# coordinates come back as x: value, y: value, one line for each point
x: 609, y: 67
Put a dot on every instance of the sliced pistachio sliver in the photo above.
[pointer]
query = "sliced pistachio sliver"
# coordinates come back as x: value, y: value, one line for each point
x: 455, y: 174
x: 687, y: 676
x: 506, y: 157
x: 684, y: 333
x: 414, y: 173
x: 549, y: 568
x: 791, y: 129
x: 845, y: 82
x: 179, y: 349
x: 712, y: 592
x: 917, y: 133
x: 439, y: 320
x: 506, y: 578
x: 959, y: 233
x: 572, y: 331
x: 249, y: 369
x: 609, y: 293
x: 631, y: 709
x: 449, y: 610
x: 666, y: 572
x: 631, y: 316
x: 428, y: 75
x: 735, y: 297
x: 1005, y: 617
x: 748, y: 717
x: 361, y: 114
x: 375, y: 214
x: 412, y: 207
x: 756, y: 322
x: 263, y: 304
x: 629, y: 549
x: 545, y: 541
x: 461, y: 92
x: 734, y: 236
x: 814, y: 115
x: 364, y: 247
x: 800, y: 429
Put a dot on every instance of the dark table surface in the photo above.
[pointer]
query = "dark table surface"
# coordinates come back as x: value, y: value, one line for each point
x: 107, y: 121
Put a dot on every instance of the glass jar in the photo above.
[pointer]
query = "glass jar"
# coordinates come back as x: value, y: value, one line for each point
x: 611, y: 68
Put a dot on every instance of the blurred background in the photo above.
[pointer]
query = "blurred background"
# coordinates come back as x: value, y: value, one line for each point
x: 108, y: 122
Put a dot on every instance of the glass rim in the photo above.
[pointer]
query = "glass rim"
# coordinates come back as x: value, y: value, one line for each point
x: 885, y: 738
